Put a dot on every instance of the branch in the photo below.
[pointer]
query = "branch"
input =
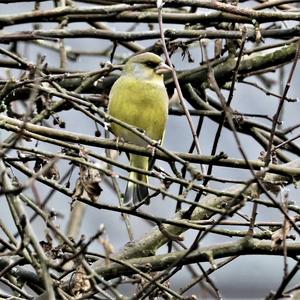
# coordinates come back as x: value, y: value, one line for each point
x: 126, y: 13
x: 204, y: 254
x: 29, y: 129
x: 55, y: 34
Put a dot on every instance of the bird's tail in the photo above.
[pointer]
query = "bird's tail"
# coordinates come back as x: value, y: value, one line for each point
x: 136, y: 193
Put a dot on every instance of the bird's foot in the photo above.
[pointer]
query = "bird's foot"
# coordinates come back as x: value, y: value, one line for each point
x: 118, y: 140
x: 153, y: 147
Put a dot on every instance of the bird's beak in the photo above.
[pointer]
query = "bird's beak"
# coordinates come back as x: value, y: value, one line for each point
x: 162, y: 68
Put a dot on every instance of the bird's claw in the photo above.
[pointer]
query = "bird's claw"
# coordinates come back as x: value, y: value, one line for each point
x: 153, y: 147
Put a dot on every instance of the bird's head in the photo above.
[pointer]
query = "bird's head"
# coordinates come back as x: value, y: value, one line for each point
x: 147, y: 66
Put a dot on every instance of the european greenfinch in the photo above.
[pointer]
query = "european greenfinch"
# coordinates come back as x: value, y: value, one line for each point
x: 139, y: 98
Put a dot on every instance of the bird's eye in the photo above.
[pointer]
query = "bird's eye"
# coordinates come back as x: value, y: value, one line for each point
x: 151, y: 64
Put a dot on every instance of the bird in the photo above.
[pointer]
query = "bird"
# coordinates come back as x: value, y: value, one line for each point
x: 139, y: 98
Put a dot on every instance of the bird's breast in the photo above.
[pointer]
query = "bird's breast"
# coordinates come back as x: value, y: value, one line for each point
x: 140, y: 103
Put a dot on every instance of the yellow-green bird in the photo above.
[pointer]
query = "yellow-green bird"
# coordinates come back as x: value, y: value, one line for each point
x: 139, y: 98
